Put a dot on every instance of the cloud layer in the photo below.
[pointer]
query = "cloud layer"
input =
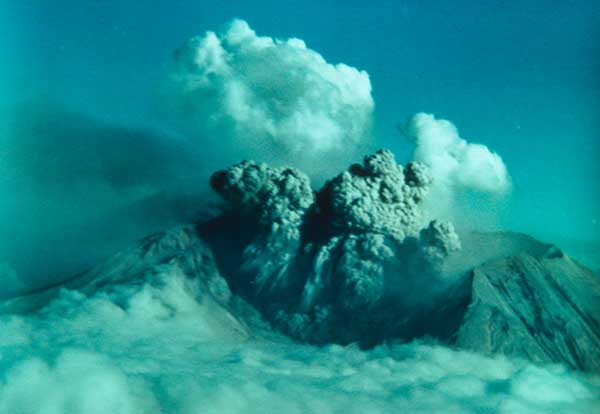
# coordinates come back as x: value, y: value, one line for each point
x: 152, y: 345
x: 273, y: 99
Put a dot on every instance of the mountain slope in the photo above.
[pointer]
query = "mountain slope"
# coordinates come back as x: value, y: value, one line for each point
x: 354, y: 262
x: 536, y: 304
x: 544, y: 308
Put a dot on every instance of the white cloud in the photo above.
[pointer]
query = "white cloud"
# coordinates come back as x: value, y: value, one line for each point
x: 153, y: 345
x: 455, y: 163
x: 76, y: 382
x: 273, y: 99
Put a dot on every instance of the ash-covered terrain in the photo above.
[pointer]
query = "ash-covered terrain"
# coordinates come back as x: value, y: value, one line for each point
x: 338, y: 300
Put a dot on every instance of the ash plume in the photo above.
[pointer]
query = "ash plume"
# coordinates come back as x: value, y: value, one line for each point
x: 356, y: 248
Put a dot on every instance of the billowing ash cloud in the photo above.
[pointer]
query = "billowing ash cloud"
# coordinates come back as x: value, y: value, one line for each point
x: 330, y: 267
x: 275, y: 100
x: 378, y: 196
x: 455, y: 163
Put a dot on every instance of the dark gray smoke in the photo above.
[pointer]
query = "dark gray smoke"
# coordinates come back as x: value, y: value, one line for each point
x: 347, y: 252
x: 76, y: 189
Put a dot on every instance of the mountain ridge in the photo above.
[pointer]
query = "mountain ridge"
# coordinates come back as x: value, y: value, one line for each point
x: 490, y: 324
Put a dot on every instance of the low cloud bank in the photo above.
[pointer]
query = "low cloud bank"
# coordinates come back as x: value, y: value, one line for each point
x: 153, y: 346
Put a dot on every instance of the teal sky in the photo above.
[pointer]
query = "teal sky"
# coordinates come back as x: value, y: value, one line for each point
x: 521, y: 77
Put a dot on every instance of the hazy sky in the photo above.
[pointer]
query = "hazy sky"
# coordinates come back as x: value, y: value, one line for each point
x: 520, y: 77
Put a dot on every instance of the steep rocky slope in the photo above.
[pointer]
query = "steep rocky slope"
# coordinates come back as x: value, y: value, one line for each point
x: 176, y: 255
x: 545, y: 308
x: 537, y: 304
x: 355, y: 263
